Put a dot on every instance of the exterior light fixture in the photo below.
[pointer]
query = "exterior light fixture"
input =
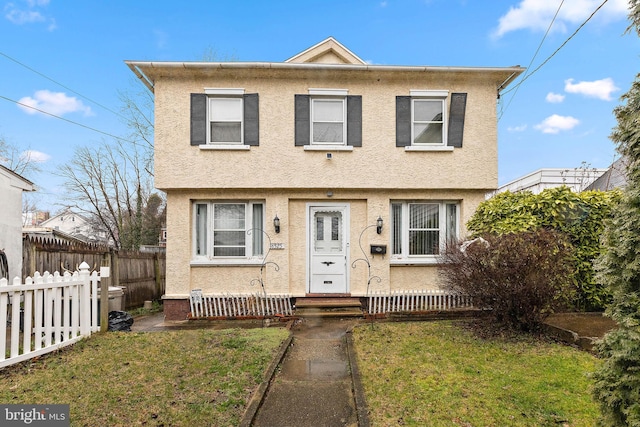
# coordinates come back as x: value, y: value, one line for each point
x: 379, y: 225
x: 276, y: 224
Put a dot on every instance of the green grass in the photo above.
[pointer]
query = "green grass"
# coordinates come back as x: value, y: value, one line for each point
x: 441, y: 374
x: 193, y: 377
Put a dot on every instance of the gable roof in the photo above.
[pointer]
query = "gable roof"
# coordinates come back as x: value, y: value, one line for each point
x: 328, y: 51
x: 16, y: 180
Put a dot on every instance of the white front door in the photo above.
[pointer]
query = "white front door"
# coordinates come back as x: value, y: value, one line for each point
x: 328, y: 244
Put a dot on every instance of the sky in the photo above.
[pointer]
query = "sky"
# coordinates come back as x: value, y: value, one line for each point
x: 66, y: 57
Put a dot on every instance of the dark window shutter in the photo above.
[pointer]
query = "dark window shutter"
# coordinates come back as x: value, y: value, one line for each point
x: 198, y: 118
x: 354, y: 120
x: 403, y: 121
x: 251, y: 119
x: 456, y: 119
x: 303, y: 120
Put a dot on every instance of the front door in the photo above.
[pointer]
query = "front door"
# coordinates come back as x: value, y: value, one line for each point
x: 328, y: 244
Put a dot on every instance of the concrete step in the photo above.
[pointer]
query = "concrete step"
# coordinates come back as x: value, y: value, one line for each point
x: 315, y: 312
x: 328, y: 302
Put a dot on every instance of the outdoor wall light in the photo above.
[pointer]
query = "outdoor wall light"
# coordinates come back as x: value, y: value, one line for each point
x: 379, y: 225
x: 276, y: 224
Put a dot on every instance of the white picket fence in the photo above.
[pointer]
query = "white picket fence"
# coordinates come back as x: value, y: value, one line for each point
x: 241, y: 305
x: 46, y: 313
x: 415, y: 300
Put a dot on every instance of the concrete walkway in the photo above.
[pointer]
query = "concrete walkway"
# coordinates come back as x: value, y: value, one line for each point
x: 315, y: 385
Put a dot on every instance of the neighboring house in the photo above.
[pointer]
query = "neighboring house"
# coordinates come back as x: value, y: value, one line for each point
x: 577, y: 179
x: 74, y: 224
x: 11, y: 187
x: 298, y: 161
x: 614, y: 177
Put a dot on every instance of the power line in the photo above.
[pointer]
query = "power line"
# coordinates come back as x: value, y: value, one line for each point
x: 554, y: 53
x: 72, y: 122
x: 61, y: 85
x: 533, y: 58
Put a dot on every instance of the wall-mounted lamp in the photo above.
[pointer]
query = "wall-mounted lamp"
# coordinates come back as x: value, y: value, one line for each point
x: 276, y: 224
x: 379, y: 225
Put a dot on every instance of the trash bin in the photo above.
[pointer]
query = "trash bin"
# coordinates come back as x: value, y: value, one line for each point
x: 116, y: 298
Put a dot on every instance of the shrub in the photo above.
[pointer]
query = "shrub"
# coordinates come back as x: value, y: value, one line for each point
x: 520, y: 277
x: 580, y: 216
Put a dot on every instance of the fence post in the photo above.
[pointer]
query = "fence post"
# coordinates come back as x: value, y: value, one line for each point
x: 85, y: 304
x: 105, y: 282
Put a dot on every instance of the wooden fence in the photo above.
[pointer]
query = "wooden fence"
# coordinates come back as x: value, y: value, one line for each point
x: 140, y: 274
x: 46, y: 312
x: 412, y: 301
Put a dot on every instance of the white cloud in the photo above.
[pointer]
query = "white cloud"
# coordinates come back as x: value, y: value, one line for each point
x: 554, y: 98
x: 28, y: 13
x: 520, y: 128
x: 536, y: 15
x: 555, y: 123
x: 600, y: 89
x: 57, y: 103
x: 35, y: 156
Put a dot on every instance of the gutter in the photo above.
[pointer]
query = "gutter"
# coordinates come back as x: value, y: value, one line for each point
x: 137, y: 66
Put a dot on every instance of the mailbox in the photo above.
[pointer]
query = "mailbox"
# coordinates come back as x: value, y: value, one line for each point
x: 378, y: 249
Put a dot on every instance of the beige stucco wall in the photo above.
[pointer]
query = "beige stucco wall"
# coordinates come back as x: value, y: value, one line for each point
x: 288, y: 178
x: 277, y: 163
x: 291, y: 278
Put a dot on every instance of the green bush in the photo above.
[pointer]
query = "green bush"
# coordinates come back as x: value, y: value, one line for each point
x: 580, y: 216
x: 519, y: 277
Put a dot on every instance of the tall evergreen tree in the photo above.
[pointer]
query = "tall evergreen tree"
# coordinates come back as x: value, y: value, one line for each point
x: 617, y: 382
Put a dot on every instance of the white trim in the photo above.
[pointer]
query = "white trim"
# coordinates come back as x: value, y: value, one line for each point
x: 214, y: 146
x: 338, y: 146
x: 429, y: 93
x: 445, y: 122
x: 328, y: 92
x: 225, y: 262
x: 424, y: 147
x: 343, y: 101
x: 223, y: 91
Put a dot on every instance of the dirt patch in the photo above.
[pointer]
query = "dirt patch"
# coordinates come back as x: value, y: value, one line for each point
x: 583, y: 324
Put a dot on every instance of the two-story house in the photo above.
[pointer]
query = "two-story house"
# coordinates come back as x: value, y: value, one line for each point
x: 315, y: 163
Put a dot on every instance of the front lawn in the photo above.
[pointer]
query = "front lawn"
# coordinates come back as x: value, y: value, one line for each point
x: 442, y: 374
x: 193, y: 377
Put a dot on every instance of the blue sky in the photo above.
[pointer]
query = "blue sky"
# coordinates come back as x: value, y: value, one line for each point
x: 67, y: 57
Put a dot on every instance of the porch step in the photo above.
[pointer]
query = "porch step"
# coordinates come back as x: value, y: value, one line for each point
x: 328, y: 307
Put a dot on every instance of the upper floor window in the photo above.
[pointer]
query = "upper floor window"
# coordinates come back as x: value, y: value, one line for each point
x: 225, y: 118
x: 423, y: 120
x: 421, y: 229
x: 328, y: 117
x: 328, y: 121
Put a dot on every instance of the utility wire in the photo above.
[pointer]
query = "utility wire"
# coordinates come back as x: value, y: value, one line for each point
x: 72, y: 122
x: 532, y: 59
x: 61, y: 85
x: 554, y: 53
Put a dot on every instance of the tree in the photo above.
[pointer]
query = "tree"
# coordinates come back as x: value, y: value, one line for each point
x: 18, y: 160
x: 617, y: 382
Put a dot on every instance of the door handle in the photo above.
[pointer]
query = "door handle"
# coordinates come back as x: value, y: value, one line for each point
x: 327, y: 263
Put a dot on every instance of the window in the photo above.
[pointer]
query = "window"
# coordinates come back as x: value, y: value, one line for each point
x: 422, y: 229
x: 225, y: 118
x: 423, y: 121
x: 228, y: 230
x: 428, y: 121
x: 328, y: 117
x: 328, y: 124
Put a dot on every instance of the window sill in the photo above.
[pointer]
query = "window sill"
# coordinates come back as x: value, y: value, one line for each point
x: 428, y: 148
x: 226, y: 262
x: 406, y: 262
x: 237, y: 147
x: 328, y: 147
